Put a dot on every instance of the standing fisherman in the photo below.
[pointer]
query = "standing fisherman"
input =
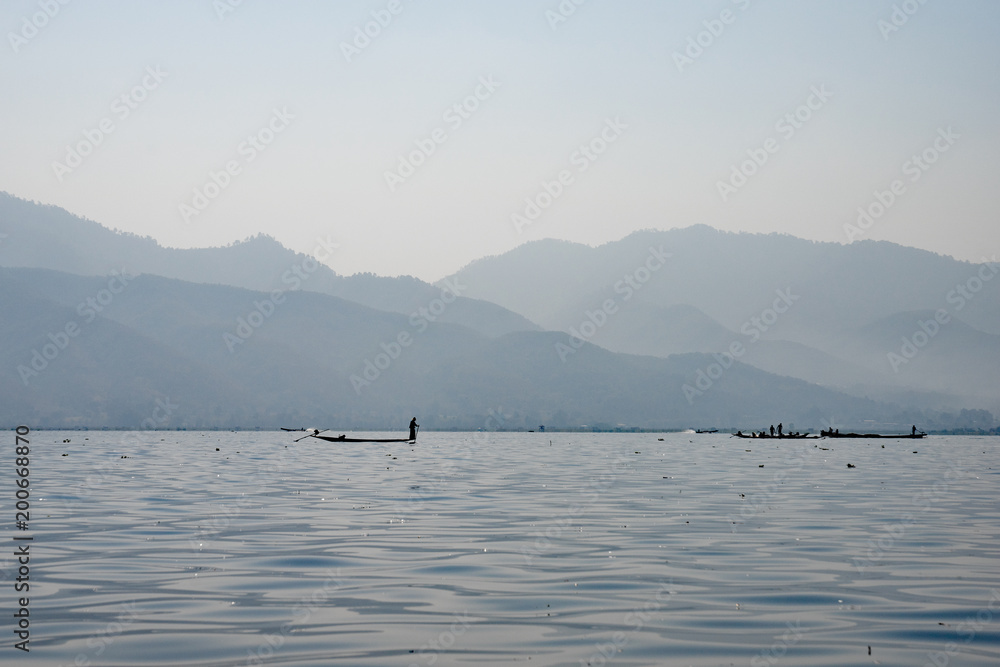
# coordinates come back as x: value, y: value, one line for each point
x: 413, y: 428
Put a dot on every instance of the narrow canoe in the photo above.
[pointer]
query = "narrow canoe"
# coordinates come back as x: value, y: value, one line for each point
x: 909, y: 436
x: 804, y: 436
x: 330, y: 438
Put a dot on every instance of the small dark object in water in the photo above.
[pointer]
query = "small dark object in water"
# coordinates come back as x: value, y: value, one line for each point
x: 761, y: 465
x: 851, y: 465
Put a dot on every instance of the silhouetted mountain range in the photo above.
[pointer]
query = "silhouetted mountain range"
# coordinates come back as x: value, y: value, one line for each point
x: 824, y: 312
x: 164, y: 340
x: 222, y: 337
x: 49, y: 237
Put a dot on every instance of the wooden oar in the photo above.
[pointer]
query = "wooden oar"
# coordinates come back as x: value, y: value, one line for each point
x: 312, y: 434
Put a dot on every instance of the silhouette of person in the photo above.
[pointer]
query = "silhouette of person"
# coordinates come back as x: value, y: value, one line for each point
x: 913, y: 431
x: 779, y: 429
x: 772, y: 430
x: 413, y: 428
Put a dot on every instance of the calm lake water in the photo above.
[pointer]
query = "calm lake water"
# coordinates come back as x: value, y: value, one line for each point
x: 218, y: 549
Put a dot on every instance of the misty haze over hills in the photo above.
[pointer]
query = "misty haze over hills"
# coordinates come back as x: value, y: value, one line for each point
x: 254, y: 334
x: 51, y: 238
x: 846, y: 308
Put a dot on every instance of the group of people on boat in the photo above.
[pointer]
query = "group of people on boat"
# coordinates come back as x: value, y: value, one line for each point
x: 770, y: 433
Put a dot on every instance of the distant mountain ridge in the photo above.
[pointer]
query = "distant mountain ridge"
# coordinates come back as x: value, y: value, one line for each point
x: 162, y: 342
x: 49, y: 237
x: 729, y: 276
x: 256, y: 333
x: 719, y: 288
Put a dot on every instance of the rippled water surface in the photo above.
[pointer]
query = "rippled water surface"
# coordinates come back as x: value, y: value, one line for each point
x: 481, y: 549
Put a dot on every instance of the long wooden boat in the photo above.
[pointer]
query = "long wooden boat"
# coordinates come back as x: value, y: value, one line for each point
x: 331, y: 438
x: 801, y: 436
x: 907, y: 436
x: 714, y: 430
x: 315, y: 433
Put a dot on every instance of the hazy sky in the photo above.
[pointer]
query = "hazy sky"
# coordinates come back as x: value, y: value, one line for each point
x: 310, y: 115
